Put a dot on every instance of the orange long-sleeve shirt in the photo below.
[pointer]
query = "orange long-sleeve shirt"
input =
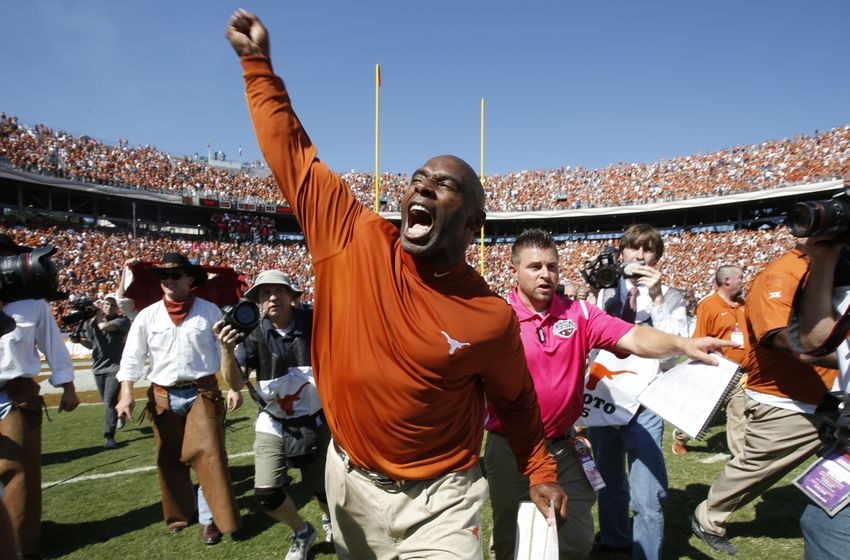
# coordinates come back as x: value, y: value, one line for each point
x: 403, y: 354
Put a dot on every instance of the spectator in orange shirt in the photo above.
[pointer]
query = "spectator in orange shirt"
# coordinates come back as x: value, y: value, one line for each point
x: 721, y: 315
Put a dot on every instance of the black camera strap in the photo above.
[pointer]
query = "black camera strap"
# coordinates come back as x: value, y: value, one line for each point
x: 836, y: 336
x: 252, y: 391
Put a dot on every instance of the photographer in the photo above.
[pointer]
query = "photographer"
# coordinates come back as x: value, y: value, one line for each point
x: 638, y: 297
x: 291, y: 429
x: 826, y: 537
x: 105, y: 335
x: 21, y: 406
x: 783, y: 390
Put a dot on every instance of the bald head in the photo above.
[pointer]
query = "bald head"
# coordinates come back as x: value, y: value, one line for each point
x: 463, y: 171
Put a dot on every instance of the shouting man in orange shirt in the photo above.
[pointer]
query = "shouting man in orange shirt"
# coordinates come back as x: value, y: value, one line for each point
x: 407, y: 341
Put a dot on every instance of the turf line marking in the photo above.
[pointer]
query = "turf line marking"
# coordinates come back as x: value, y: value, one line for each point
x: 113, y: 474
x: 716, y: 458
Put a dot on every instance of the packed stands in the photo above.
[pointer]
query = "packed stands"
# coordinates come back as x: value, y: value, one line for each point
x: 87, y: 271
x: 768, y: 165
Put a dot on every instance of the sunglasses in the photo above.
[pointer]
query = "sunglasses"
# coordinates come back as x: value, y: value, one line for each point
x: 170, y: 275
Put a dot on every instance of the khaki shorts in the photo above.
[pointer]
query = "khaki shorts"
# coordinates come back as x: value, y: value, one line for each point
x: 270, y: 469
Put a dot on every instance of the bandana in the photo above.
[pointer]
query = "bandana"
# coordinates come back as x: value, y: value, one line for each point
x: 178, y: 310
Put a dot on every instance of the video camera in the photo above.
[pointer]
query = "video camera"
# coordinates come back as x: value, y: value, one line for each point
x: 605, y: 272
x: 820, y: 217
x: 83, y: 310
x: 244, y: 316
x: 834, y: 413
x: 30, y: 276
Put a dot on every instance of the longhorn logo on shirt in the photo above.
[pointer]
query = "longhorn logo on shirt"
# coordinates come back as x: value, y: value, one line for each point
x: 287, y: 402
x: 565, y: 328
x: 598, y: 372
x: 453, y: 344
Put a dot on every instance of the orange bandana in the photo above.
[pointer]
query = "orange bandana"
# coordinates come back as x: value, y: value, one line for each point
x: 178, y: 310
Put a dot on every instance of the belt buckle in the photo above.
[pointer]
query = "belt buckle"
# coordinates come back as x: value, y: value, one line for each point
x: 382, y: 480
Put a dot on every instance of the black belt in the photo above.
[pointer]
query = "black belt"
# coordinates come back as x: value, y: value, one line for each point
x: 550, y: 441
x: 378, y: 479
x: 560, y: 438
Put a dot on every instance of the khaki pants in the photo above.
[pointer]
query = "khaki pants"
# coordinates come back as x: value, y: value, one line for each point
x: 508, y: 487
x: 430, y: 519
x: 776, y: 440
x: 195, y: 440
x: 736, y: 420
x: 20, y: 463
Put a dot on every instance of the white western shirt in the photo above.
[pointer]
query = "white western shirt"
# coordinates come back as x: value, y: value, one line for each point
x: 35, y: 327
x: 176, y: 353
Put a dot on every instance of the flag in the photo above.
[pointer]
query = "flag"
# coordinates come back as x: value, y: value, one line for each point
x: 379, y: 75
x: 224, y: 285
x: 240, y: 150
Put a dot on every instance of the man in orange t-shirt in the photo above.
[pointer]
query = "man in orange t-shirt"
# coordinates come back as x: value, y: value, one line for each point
x: 783, y: 390
x: 407, y: 341
x: 721, y: 315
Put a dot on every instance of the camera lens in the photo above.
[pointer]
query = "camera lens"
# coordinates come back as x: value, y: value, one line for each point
x: 30, y: 276
x: 246, y: 314
x: 607, y: 276
x: 818, y: 217
x: 243, y: 316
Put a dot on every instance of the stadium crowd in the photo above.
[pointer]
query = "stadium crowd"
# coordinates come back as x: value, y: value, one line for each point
x: 770, y: 164
x: 86, y: 272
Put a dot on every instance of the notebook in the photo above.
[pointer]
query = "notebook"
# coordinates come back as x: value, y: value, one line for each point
x: 535, y: 539
x: 690, y: 394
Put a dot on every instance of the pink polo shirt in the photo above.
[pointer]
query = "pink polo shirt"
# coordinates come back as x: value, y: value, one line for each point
x: 556, y: 347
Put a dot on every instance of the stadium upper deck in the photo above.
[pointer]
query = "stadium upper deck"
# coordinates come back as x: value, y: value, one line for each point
x: 768, y: 165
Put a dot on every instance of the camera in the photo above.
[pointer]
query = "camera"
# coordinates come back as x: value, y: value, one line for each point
x: 834, y: 413
x: 30, y: 276
x: 605, y: 272
x: 820, y: 217
x: 244, y: 316
x: 83, y: 310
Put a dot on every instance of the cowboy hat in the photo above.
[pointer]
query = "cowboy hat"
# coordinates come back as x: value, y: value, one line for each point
x: 176, y: 261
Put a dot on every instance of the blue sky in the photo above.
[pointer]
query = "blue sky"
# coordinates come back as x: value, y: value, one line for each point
x: 565, y: 83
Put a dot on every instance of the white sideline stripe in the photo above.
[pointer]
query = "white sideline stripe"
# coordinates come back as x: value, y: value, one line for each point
x: 121, y: 473
x: 716, y: 458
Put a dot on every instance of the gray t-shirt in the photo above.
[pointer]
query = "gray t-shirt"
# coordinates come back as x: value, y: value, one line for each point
x: 107, y: 346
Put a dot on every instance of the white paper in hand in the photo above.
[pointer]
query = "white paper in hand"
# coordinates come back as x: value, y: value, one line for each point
x: 535, y: 539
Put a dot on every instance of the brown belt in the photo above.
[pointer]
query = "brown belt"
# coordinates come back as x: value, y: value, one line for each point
x: 378, y: 479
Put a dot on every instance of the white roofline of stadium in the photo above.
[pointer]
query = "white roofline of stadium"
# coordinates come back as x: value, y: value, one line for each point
x: 779, y: 192
x: 93, y: 188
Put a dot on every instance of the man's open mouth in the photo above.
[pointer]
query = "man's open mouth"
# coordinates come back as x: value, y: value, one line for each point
x: 419, y: 221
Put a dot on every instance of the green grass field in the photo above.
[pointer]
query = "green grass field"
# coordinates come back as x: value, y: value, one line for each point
x: 116, y: 513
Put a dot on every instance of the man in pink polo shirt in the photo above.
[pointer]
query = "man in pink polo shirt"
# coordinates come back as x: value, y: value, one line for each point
x: 557, y: 334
